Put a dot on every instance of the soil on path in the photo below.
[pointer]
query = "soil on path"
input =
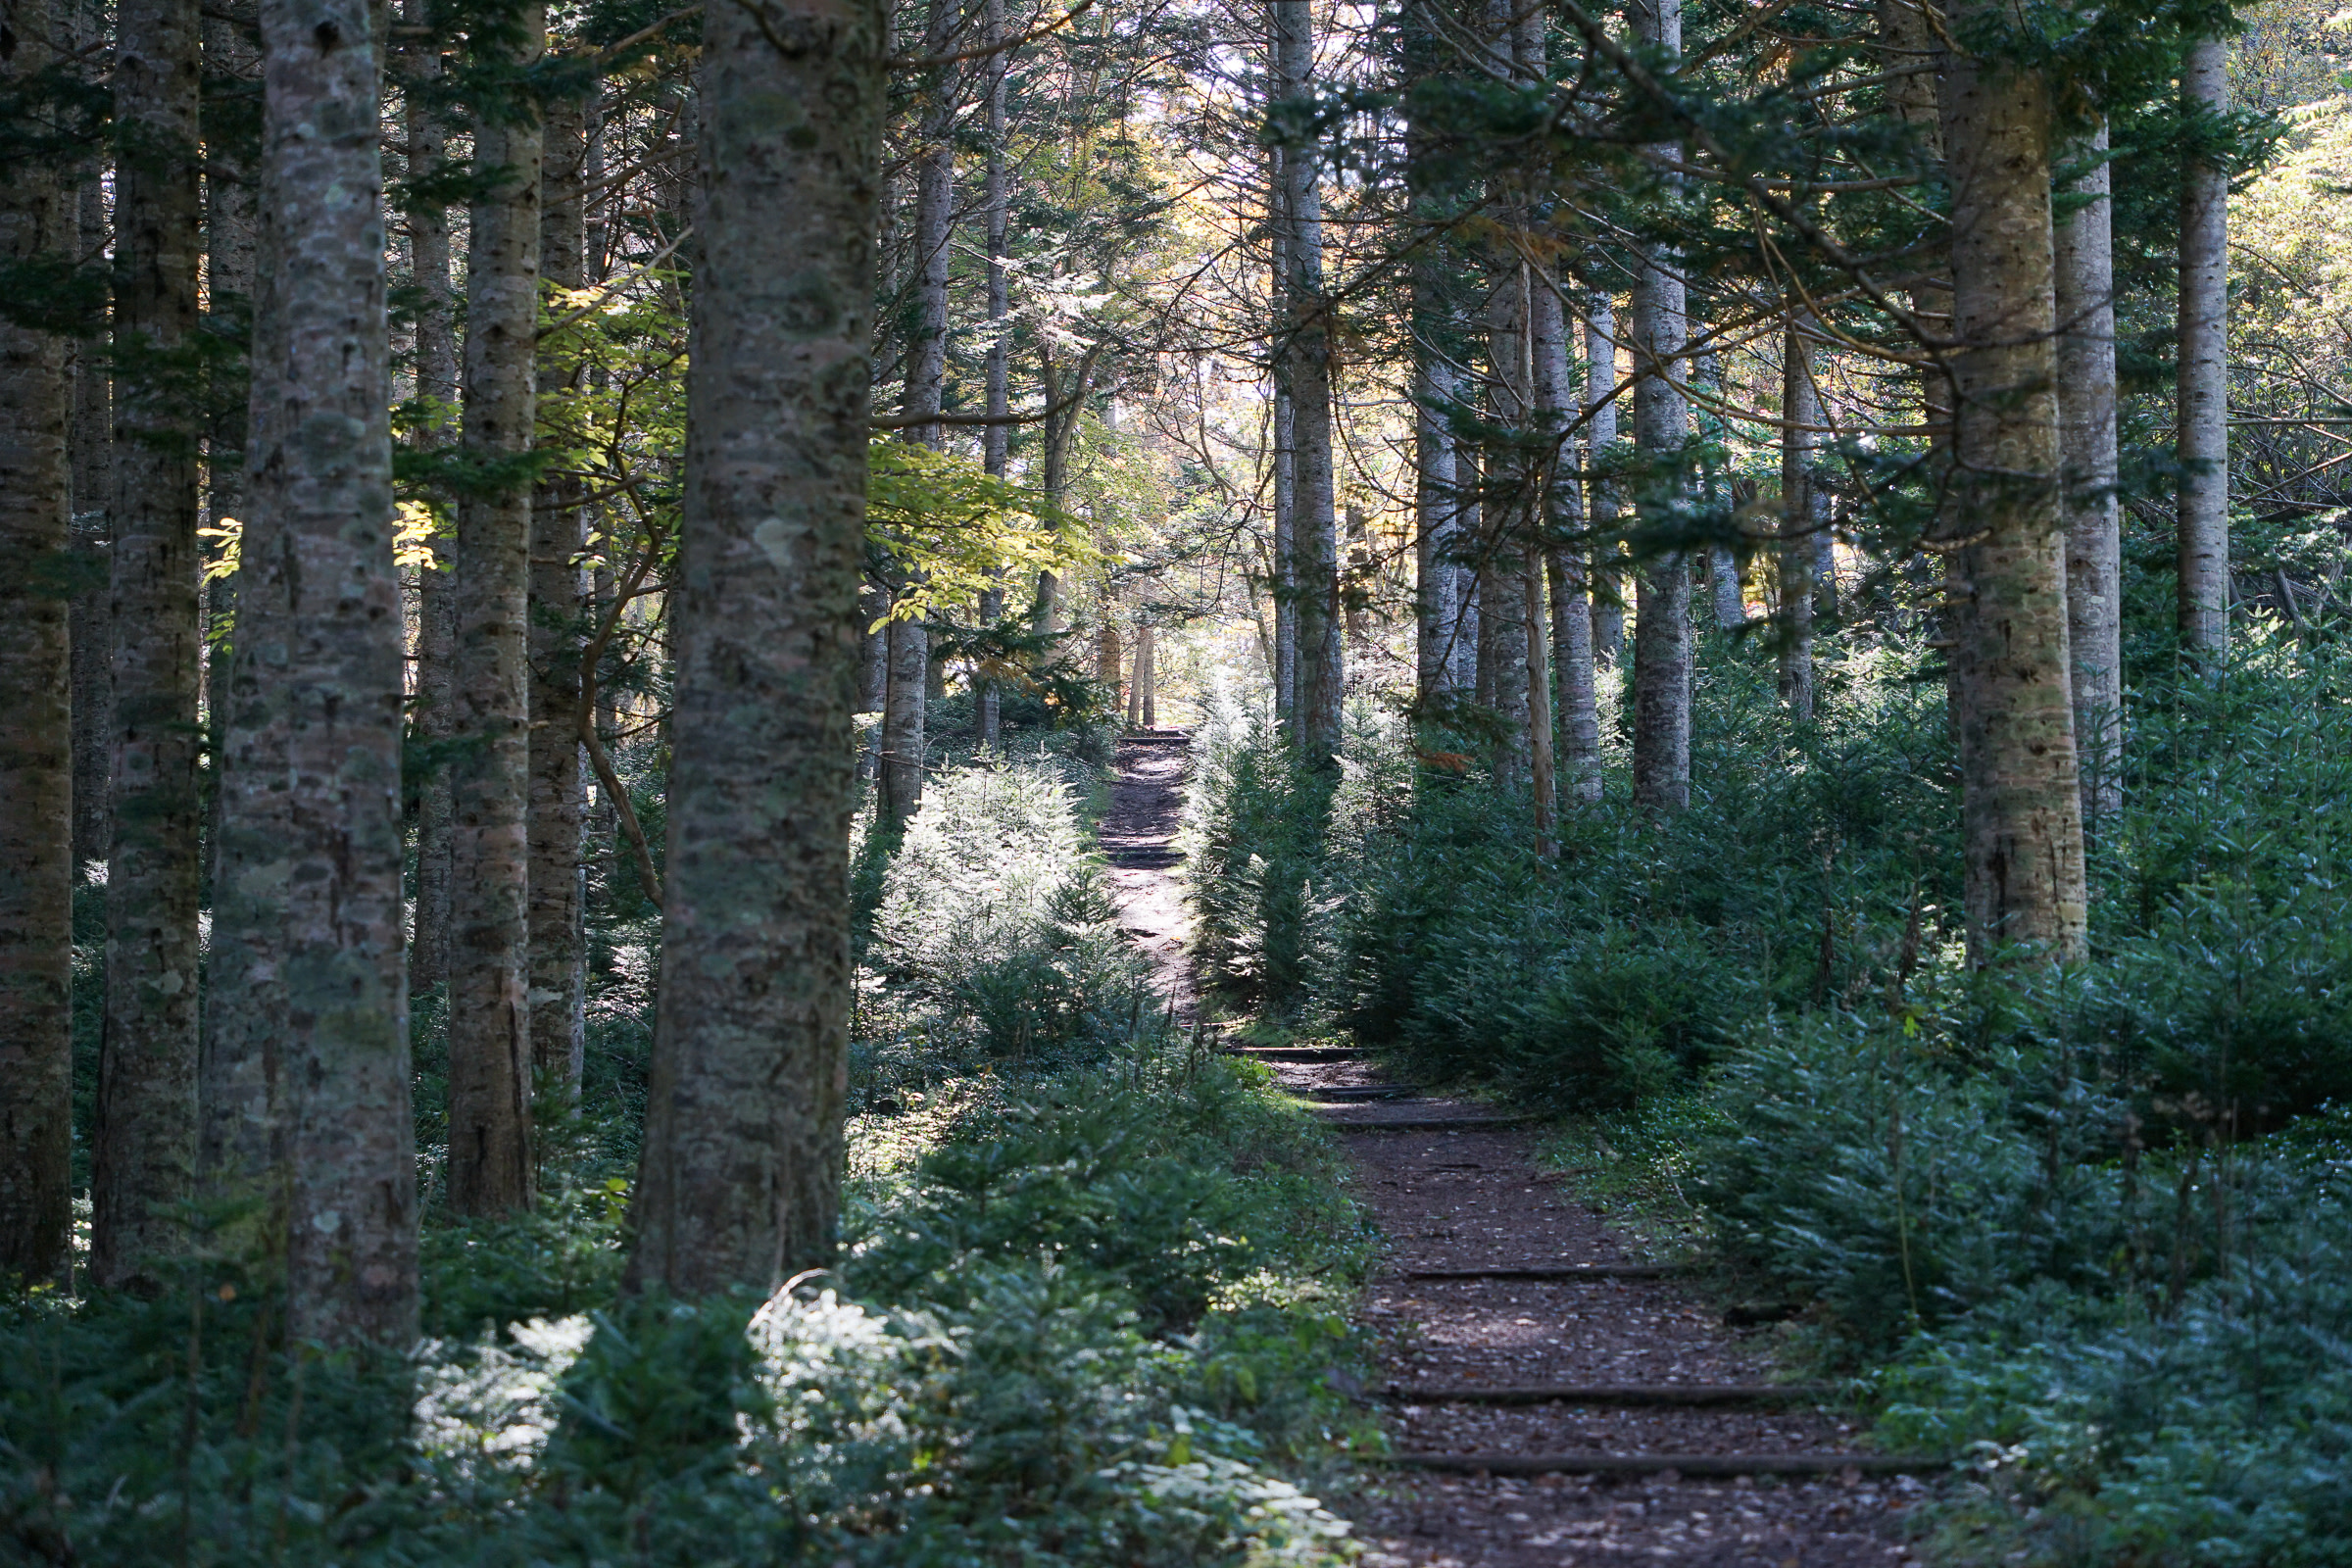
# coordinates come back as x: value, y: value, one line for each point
x: 1453, y: 1197
x: 1147, y: 806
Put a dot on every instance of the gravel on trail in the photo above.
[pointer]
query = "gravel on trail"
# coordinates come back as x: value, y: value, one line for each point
x: 1453, y: 1196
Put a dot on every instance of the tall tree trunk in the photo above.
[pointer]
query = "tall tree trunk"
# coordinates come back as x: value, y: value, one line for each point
x: 489, y: 1025
x: 436, y: 584
x: 996, y: 439
x: 1601, y: 434
x: 240, y: 1172
x: 2204, y: 404
x: 89, y: 455
x: 906, y: 710
x: 1512, y: 493
x: 1286, y: 475
x: 1434, y: 509
x: 556, y: 941
x: 1794, y: 558
x: 144, y: 1154
x: 36, y: 725
x: 1322, y: 681
x: 241, y: 1072
x: 1469, y: 532
x: 1143, y: 698
x: 1661, y: 430
x: 325, y: 478
x: 2020, y: 807
x: 2087, y: 443
x: 1575, y: 718
x: 743, y: 1141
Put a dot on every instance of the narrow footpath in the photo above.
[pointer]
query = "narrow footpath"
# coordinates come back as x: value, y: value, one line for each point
x: 1550, y: 1396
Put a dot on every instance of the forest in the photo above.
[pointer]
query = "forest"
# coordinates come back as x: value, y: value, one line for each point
x: 1144, y: 783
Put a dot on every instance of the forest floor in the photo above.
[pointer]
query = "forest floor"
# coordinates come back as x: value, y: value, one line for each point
x: 1456, y: 1197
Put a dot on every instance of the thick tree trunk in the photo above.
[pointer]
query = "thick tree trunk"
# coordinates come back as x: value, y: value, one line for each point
x: 1794, y: 558
x: 742, y: 1166
x: 36, y: 728
x: 144, y: 1154
x: 1434, y: 509
x: 556, y: 939
x: 1601, y: 434
x: 489, y: 1024
x: 1661, y: 428
x: 1469, y: 532
x: 2088, y: 449
x: 436, y: 584
x: 2204, y: 398
x: 241, y: 1072
x: 90, y: 453
x: 1322, y: 679
x: 2020, y: 806
x: 325, y: 477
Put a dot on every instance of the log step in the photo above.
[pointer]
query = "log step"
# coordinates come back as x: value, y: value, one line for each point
x: 1417, y: 1124
x: 1349, y: 1094
x: 1566, y: 1271
x: 1702, y: 1465
x: 1298, y: 1053
x: 1678, y: 1395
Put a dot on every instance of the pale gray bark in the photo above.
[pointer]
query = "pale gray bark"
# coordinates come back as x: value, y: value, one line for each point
x: 2088, y: 448
x: 1286, y: 474
x: 1434, y: 509
x: 996, y: 439
x: 1307, y: 360
x: 1469, y: 515
x: 906, y: 707
x: 489, y: 1030
x: 2021, y: 808
x: 143, y: 1156
x: 1661, y: 427
x: 436, y: 584
x: 1575, y: 718
x: 2203, y: 414
x: 742, y: 1168
x: 325, y: 477
x: 240, y: 1154
x: 36, y: 725
x: 1795, y: 556
x: 1512, y: 493
x: 1600, y: 500
x: 557, y: 940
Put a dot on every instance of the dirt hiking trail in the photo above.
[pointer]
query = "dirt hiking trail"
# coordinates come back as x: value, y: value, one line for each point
x: 1552, y: 1397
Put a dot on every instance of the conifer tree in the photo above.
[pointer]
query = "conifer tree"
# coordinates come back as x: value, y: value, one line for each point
x: 143, y: 1153
x: 489, y: 1017
x: 2021, y: 811
x: 740, y: 1173
x: 36, y: 728
x: 324, y: 476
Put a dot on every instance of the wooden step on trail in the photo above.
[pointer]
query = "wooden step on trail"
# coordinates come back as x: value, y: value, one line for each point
x: 1298, y: 1052
x: 1700, y: 1465
x: 1349, y: 1094
x: 1326, y: 1114
x: 1549, y: 1273
x: 1692, y: 1396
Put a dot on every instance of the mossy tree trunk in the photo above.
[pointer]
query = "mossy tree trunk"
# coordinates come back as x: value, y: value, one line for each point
x: 489, y: 1030
x: 2020, y: 804
x: 742, y: 1166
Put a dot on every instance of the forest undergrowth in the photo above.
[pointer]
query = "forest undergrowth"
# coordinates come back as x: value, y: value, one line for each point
x: 2085, y: 1230
x: 1089, y: 1300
